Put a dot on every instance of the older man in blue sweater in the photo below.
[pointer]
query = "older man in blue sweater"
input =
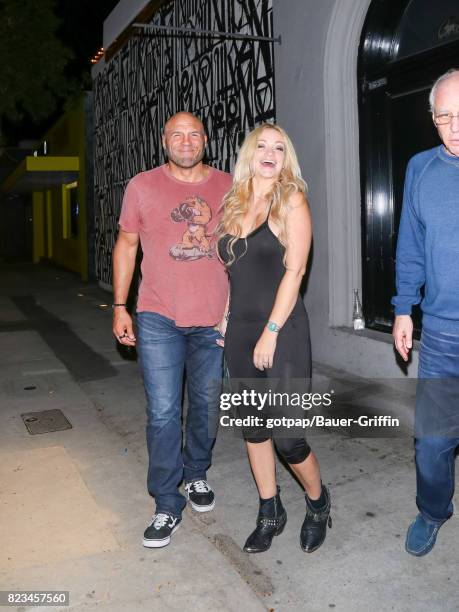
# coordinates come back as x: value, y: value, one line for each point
x: 428, y: 257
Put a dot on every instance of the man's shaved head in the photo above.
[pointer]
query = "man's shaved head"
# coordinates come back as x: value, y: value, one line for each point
x: 184, y: 140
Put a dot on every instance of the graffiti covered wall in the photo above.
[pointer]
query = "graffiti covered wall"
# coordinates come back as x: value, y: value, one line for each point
x: 228, y: 83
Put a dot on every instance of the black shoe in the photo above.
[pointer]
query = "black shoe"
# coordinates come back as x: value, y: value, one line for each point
x: 421, y: 536
x: 314, y: 528
x: 270, y: 522
x: 159, y: 531
x: 201, y: 496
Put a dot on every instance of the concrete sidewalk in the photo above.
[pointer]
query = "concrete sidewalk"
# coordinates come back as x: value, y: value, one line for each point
x: 74, y: 504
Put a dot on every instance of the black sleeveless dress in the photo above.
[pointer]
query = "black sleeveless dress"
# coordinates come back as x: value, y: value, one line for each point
x: 255, y: 277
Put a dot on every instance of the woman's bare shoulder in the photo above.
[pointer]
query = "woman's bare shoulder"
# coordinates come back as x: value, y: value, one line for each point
x: 297, y: 200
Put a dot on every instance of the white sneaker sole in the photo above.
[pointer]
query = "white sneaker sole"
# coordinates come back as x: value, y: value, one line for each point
x: 199, y: 508
x: 160, y: 543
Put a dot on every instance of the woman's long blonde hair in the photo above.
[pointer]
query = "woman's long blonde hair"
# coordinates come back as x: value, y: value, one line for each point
x: 236, y: 202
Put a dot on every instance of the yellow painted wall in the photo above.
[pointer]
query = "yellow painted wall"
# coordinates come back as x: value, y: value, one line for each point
x: 49, y: 224
x: 39, y: 218
x: 66, y: 137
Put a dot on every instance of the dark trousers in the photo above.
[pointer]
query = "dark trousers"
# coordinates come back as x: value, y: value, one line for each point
x: 437, y: 424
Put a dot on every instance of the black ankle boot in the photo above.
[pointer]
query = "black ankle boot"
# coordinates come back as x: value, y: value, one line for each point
x: 270, y: 522
x: 314, y: 528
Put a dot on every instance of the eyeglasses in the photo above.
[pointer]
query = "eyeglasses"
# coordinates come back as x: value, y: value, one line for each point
x: 445, y: 118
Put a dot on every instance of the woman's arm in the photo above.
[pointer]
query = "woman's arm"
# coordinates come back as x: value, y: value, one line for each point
x: 299, y: 235
x: 221, y: 327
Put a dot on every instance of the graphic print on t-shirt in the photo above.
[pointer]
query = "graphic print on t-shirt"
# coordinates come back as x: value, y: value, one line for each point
x: 195, y: 214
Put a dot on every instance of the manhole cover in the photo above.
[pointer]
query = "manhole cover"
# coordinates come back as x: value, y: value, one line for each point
x: 45, y: 421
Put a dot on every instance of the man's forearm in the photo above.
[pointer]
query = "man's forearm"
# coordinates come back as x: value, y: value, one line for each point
x: 124, y: 257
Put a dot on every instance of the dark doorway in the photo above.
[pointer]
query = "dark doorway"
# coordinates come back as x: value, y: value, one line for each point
x: 16, y: 227
x: 405, y: 46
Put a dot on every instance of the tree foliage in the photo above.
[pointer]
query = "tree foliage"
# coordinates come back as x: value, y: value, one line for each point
x: 32, y: 60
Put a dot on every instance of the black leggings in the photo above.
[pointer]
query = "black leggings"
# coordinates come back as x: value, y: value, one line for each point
x: 292, y: 360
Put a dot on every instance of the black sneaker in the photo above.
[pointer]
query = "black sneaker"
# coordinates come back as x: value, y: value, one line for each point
x: 159, y: 531
x: 201, y: 496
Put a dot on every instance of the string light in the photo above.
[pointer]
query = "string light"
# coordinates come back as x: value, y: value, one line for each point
x: 97, y: 56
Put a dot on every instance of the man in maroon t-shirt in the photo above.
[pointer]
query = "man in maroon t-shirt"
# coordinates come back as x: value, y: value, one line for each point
x: 173, y: 211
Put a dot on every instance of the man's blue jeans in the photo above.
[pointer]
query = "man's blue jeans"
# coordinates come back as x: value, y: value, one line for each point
x: 437, y: 424
x: 165, y: 351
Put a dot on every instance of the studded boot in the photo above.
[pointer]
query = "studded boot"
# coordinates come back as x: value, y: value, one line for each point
x: 270, y: 522
x: 314, y: 528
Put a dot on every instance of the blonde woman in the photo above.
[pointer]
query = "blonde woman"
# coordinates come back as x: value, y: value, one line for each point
x: 264, y: 241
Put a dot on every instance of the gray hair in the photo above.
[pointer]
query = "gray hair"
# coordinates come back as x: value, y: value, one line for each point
x: 444, y: 77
